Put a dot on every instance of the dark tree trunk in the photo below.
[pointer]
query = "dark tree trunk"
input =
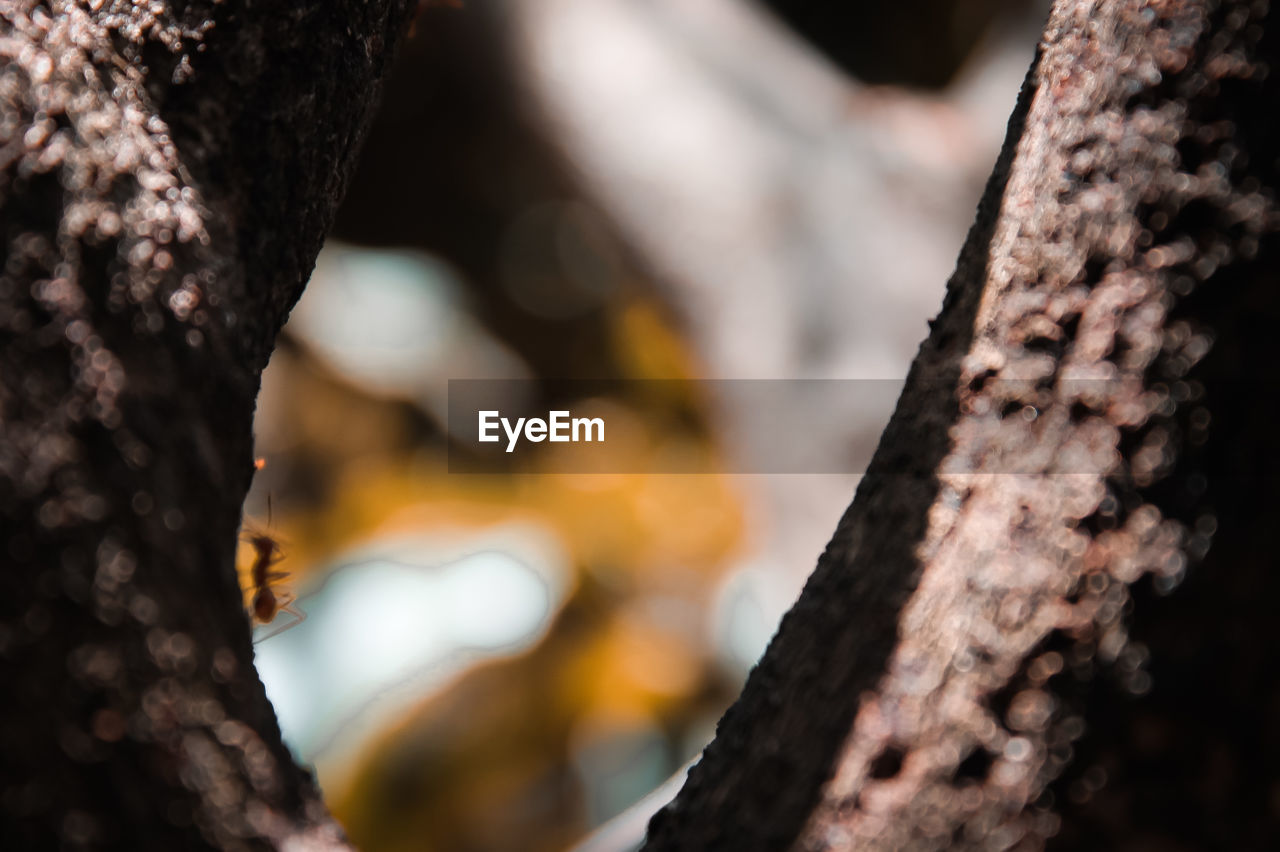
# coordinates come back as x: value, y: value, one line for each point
x: 166, y: 179
x: 996, y: 647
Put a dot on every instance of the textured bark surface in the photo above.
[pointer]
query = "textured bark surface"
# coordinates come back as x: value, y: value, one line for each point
x: 167, y: 175
x: 999, y: 628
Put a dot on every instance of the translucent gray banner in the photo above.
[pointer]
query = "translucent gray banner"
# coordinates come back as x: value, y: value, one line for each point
x: 764, y: 426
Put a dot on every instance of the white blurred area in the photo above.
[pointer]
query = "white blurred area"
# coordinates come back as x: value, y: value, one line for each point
x: 800, y: 225
x: 387, y: 625
x: 397, y: 323
x: 805, y: 224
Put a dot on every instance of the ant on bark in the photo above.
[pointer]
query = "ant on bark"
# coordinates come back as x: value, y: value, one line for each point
x: 268, y: 602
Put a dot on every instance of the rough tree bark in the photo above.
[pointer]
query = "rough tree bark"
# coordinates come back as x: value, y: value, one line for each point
x: 1091, y: 407
x: 167, y: 175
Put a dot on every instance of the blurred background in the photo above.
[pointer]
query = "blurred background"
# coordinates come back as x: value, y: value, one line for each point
x: 608, y: 190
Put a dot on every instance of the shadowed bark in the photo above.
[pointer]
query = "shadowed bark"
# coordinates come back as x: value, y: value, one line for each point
x: 167, y: 175
x: 999, y: 626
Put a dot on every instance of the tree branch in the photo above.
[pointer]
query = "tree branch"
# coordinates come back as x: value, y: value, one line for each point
x: 167, y: 177
x: 1045, y: 466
